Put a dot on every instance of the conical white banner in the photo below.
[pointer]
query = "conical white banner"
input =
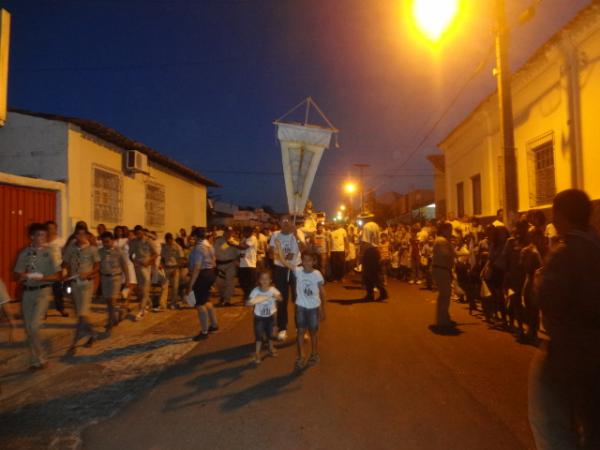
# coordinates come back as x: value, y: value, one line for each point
x: 302, y: 147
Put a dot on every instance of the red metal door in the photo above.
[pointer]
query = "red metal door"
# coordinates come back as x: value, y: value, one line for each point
x: 20, y: 206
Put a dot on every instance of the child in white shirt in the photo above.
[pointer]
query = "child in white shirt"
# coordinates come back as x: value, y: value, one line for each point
x: 264, y: 298
x: 310, y: 307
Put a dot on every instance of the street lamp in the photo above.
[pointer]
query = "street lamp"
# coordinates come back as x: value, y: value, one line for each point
x: 433, y: 17
x: 342, y: 207
x: 350, y: 187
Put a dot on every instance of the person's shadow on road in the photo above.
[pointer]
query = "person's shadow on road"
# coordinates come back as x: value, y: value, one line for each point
x: 352, y: 301
x: 216, y: 381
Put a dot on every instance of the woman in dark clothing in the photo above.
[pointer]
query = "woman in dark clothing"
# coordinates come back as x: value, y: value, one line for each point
x: 493, y: 273
x: 515, y: 275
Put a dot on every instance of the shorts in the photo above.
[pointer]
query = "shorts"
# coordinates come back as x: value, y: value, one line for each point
x: 202, y: 286
x: 307, y: 318
x: 263, y: 328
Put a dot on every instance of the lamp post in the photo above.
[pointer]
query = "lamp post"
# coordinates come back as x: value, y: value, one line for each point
x: 361, y: 167
x: 350, y: 188
x: 511, y: 193
x: 433, y: 22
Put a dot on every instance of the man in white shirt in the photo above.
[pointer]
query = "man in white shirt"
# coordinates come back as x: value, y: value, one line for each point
x: 248, y: 259
x: 55, y: 246
x: 286, y: 245
x: 338, y: 248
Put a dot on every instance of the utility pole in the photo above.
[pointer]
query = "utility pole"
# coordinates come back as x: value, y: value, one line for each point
x: 361, y: 167
x: 511, y: 193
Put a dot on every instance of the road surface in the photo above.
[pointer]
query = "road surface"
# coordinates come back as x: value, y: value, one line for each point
x: 384, y: 382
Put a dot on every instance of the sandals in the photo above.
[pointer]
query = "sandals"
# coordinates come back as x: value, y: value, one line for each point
x: 314, y: 358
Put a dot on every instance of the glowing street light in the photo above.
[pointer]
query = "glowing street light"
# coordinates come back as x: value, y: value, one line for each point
x: 350, y: 187
x: 433, y: 17
x: 342, y: 207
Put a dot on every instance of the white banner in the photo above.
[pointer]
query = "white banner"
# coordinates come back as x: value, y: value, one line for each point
x: 301, y: 151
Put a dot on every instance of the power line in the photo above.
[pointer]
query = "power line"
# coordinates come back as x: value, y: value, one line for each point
x: 445, y: 111
x: 329, y: 174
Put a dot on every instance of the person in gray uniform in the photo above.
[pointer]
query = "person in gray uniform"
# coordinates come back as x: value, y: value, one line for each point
x: 82, y: 263
x: 143, y: 255
x: 227, y: 255
x: 36, y: 270
x: 113, y: 266
x: 171, y: 259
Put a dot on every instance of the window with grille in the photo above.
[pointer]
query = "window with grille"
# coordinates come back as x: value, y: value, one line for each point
x: 476, y: 192
x: 542, y: 181
x: 107, y: 196
x: 155, y: 206
x: 460, y: 199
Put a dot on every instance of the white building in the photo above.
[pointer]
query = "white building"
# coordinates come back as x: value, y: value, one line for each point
x: 105, y: 182
x: 556, y: 110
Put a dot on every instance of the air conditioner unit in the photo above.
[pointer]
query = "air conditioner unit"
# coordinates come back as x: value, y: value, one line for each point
x: 136, y: 161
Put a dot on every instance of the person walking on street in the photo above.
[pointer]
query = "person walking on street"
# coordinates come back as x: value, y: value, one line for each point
x: 82, y: 263
x: 286, y: 246
x: 338, y: 249
x: 171, y: 258
x: 264, y: 298
x: 564, y: 384
x: 202, y: 265
x: 248, y: 261
x: 442, y: 264
x: 36, y: 270
x: 113, y: 266
x: 321, y: 246
x: 55, y: 245
x: 373, y: 274
x: 227, y: 255
x: 143, y: 255
x: 310, y: 307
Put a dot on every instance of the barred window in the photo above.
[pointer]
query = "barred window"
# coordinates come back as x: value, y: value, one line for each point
x: 542, y: 181
x: 107, y: 196
x: 155, y: 206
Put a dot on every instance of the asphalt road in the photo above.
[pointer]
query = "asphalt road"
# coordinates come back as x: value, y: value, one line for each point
x: 384, y: 382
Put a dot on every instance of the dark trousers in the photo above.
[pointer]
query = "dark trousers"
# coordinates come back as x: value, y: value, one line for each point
x: 337, y: 265
x: 373, y: 281
x: 372, y: 275
x: 57, y: 291
x: 247, y: 277
x: 284, y: 280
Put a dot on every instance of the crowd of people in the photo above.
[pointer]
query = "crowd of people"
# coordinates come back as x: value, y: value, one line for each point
x: 512, y: 275
x: 178, y: 271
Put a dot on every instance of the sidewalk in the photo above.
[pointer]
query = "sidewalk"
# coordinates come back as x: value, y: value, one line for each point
x: 57, y: 331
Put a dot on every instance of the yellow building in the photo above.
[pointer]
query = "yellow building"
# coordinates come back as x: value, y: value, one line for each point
x: 108, y: 177
x: 556, y: 109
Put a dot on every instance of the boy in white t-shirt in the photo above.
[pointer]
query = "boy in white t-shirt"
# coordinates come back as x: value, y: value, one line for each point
x: 310, y: 307
x: 264, y: 298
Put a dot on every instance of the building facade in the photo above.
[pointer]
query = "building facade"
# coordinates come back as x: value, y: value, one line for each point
x: 101, y: 186
x: 556, y: 136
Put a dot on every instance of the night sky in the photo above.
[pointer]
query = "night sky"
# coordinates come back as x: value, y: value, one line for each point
x: 202, y: 80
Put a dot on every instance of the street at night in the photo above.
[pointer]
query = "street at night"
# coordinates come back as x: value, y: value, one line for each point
x: 385, y: 381
x: 299, y: 224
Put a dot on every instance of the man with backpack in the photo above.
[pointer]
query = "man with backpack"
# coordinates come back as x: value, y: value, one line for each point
x: 564, y: 388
